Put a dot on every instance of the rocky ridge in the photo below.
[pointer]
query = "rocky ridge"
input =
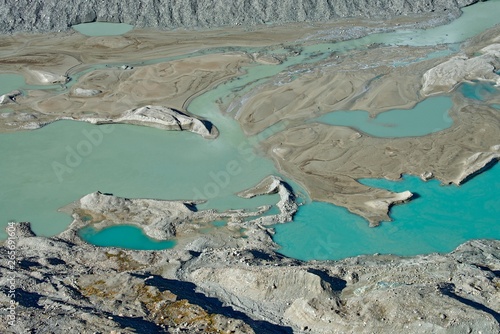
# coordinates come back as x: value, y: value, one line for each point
x: 447, y: 75
x: 162, y: 118
x: 66, y: 286
x: 52, y: 15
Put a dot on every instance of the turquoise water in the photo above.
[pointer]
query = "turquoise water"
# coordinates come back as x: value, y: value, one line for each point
x: 441, y: 218
x: 10, y: 82
x: 123, y: 236
x: 474, y: 20
x: 46, y: 169
x: 103, y: 28
x: 428, y: 116
x: 219, y: 223
x: 42, y: 173
x: 480, y: 91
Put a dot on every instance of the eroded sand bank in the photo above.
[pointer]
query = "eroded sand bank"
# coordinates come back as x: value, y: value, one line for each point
x: 326, y: 160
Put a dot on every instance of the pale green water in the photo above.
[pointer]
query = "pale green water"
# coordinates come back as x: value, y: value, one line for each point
x: 428, y: 116
x: 126, y: 160
x: 142, y: 162
x: 438, y: 221
x: 474, y: 20
x: 10, y: 82
x: 102, y: 28
x: 219, y: 223
x: 123, y: 236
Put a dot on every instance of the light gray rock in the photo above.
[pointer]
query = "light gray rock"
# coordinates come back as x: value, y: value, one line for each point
x: 169, y: 119
x: 447, y: 75
x: 272, y: 185
x: 81, y: 92
x: 9, y: 97
x: 162, y: 219
x: 65, y: 286
x: 53, y: 15
x: 23, y: 230
x: 161, y: 117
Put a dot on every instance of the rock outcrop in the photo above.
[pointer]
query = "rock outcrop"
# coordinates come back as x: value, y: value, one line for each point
x: 9, y: 97
x: 64, y: 286
x: 52, y: 15
x: 445, y: 76
x: 168, y: 119
x: 272, y: 185
x: 162, y: 219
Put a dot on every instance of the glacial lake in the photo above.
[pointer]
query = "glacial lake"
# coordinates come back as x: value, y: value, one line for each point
x: 51, y: 167
x: 428, y: 116
x: 123, y: 236
x: 48, y: 168
x: 438, y: 220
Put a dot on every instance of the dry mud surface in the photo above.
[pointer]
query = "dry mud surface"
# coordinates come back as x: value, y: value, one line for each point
x: 233, y: 281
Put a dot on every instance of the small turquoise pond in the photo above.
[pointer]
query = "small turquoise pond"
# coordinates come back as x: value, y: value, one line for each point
x: 438, y: 220
x: 102, y: 28
x: 480, y: 91
x: 220, y: 223
x: 428, y: 116
x: 123, y: 236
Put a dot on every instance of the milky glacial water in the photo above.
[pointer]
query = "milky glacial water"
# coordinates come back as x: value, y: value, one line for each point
x: 474, y: 20
x: 123, y: 236
x: 102, y: 28
x: 46, y: 169
x: 479, y: 90
x: 428, y: 116
x: 438, y: 220
x: 10, y: 82
x: 41, y: 173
